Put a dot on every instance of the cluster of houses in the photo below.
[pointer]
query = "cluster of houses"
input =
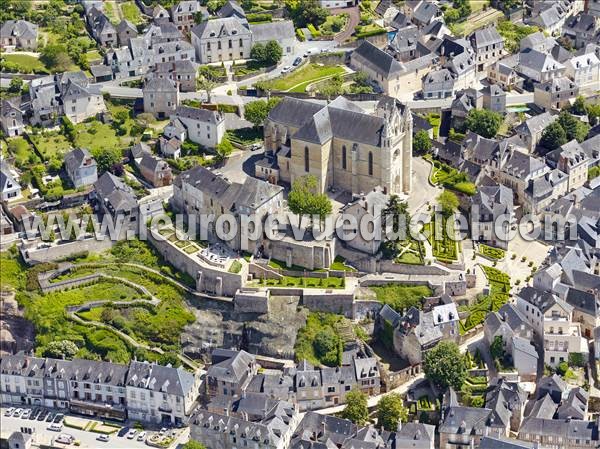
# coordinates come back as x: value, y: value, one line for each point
x: 141, y: 391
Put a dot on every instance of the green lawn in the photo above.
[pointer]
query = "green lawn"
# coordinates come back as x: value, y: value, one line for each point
x: 27, y: 63
x: 51, y: 144
x: 93, y: 56
x: 451, y: 178
x: 298, y: 80
x: 22, y: 151
x: 304, y: 282
x: 132, y: 13
x: 466, y: 27
x: 339, y: 263
x: 111, y: 12
x: 95, y: 136
x: 320, y: 324
x: 402, y: 297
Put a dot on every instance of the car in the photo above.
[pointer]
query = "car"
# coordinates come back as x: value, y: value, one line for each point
x: 297, y: 61
x: 9, y: 412
x: 59, y: 417
x: 103, y: 438
x: 65, y: 438
x: 255, y: 146
x: 162, y: 431
x: 17, y: 413
x: 42, y: 415
x: 141, y: 436
x: 324, y: 50
x: 310, y: 51
x: 286, y: 69
x: 26, y: 414
x: 55, y: 427
x: 35, y: 414
x: 124, y: 431
x: 50, y: 417
x: 131, y: 434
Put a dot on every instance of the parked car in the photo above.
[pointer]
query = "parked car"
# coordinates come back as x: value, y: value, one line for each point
x: 297, y: 61
x: 55, y: 427
x: 50, y: 417
x: 9, y: 412
x: 17, y: 413
x: 310, y: 51
x: 162, y: 431
x: 124, y: 431
x: 103, y: 438
x: 65, y: 438
x: 141, y: 436
x: 35, y: 414
x: 42, y: 415
x: 59, y: 418
x: 131, y: 434
x: 255, y: 146
x: 26, y: 414
x: 286, y: 69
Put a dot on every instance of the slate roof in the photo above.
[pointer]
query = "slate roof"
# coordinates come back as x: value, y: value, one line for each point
x: 377, y: 60
x: 231, y: 9
x: 484, y: 37
x: 400, y: 21
x: 222, y: 27
x: 522, y: 165
x: 426, y: 12
x: 414, y: 435
x: 436, y: 80
x: 279, y: 30
x: 562, y: 428
x: 558, y: 84
x: 544, y: 408
x: 541, y: 299
x: 231, y: 369
x: 198, y: 114
x: 163, y: 379
x: 205, y: 180
x: 159, y: 85
x: 494, y: 200
x: 112, y: 190
x: 538, y: 61
x: 466, y: 420
x: 504, y: 443
x: 22, y: 365
x: 536, y: 124
x: 18, y: 28
x: 94, y: 371
x: 75, y: 158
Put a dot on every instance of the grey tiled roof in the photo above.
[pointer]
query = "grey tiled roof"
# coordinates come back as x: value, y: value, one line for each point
x: 164, y: 379
x: 378, y: 60
x: 231, y: 369
x: 198, y: 114
x: 484, y: 37
x: 74, y: 159
x: 18, y: 28
x: 222, y: 27
x: 279, y: 31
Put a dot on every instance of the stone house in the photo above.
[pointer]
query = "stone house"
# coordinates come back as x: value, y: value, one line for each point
x: 154, y: 170
x: 583, y: 69
x: 308, y: 387
x: 488, y: 46
x: 368, y: 207
x: 492, y: 204
x: 22, y: 379
x: 183, y: 72
x: 517, y: 335
x: 530, y: 131
x: 380, y: 67
x: 115, y: 198
x: 503, y: 74
x: 20, y: 440
x: 494, y: 98
x: 438, y: 84
x: 173, y: 51
x: 161, y: 394
x: 539, y: 67
x: 183, y: 14
x: 222, y: 39
x: 341, y: 145
x: 125, y: 31
x: 281, y: 31
x: 19, y: 34
x: 457, y: 55
x: 507, y: 400
x: 101, y: 28
x: 573, y: 161
x: 11, y: 118
x: 202, y: 126
x: 81, y: 167
x: 556, y: 94
x: 161, y: 97
x: 10, y: 189
x: 230, y: 372
x: 551, y: 319
x: 580, y: 29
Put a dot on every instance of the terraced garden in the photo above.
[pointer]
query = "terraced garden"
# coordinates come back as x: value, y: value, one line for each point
x: 491, y: 252
x: 298, y: 80
x: 451, y: 178
x: 401, y: 297
x: 444, y: 248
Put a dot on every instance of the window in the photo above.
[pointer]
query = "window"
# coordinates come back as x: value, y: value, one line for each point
x: 344, y: 157
x: 230, y: 44
x: 241, y: 43
x: 306, y: 160
x: 219, y: 45
x: 370, y: 163
x: 208, y: 46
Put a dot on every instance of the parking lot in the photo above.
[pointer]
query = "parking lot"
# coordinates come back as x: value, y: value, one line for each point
x: 85, y: 438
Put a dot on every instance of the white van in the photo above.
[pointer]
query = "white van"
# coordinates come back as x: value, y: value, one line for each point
x: 55, y: 427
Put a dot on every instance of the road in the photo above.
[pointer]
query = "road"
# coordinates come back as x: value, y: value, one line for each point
x: 471, y: 343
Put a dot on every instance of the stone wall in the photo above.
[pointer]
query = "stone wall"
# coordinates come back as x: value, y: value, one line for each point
x: 311, y: 255
x: 208, y: 279
x: 341, y: 302
x: 251, y: 301
x: 33, y: 255
x: 365, y: 309
x: 393, y: 379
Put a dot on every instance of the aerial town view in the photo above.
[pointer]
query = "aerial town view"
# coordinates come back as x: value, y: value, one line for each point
x: 300, y: 224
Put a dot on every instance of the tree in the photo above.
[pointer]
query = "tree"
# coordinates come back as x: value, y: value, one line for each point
x: 62, y: 349
x: 356, y: 407
x: 327, y: 347
x: 593, y: 112
x: 224, y: 148
x: 332, y: 87
x: 258, y: 52
x: 56, y: 57
x: 562, y: 368
x: 484, y: 122
x: 390, y: 411
x: 448, y: 201
x: 15, y: 86
x: 257, y: 111
x: 192, y: 444
x: 273, y: 52
x: 422, y: 142
x: 206, y: 84
x: 305, y: 199
x: 106, y: 158
x: 304, y: 12
x: 574, y: 128
x: 497, y: 348
x: 68, y: 129
x: 579, y: 106
x: 445, y: 366
x: 553, y: 136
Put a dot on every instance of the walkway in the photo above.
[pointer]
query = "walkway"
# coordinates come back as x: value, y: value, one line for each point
x: 353, y: 20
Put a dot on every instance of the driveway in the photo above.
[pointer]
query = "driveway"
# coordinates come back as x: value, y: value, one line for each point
x: 422, y: 191
x: 353, y: 20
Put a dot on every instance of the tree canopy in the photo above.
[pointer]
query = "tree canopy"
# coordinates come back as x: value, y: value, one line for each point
x: 574, y: 128
x: 356, y: 407
x: 193, y: 444
x: 484, y: 122
x: 62, y: 349
x: 304, y: 12
x: 422, y: 142
x: 267, y: 54
x: 448, y: 201
x: 304, y: 198
x: 390, y: 411
x: 445, y: 366
x: 553, y: 136
x: 256, y: 112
